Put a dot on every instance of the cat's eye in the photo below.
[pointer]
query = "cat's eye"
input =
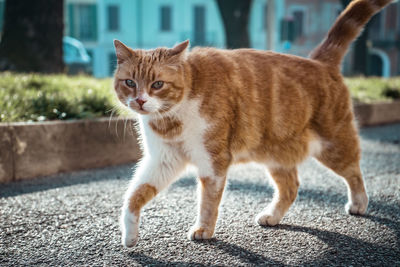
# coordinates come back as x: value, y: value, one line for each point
x: 130, y: 83
x: 157, y: 85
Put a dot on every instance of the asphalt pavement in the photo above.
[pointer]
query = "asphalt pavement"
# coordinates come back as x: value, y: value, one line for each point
x: 72, y: 219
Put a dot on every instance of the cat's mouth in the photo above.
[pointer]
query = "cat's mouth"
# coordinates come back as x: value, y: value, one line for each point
x: 138, y: 109
x: 141, y: 110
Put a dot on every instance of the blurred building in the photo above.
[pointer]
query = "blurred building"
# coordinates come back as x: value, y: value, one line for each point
x: 152, y: 23
x: 385, y: 42
x: 309, y: 20
x: 298, y: 26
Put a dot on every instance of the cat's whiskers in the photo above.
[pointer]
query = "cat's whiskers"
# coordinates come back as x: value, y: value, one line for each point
x: 125, y: 122
x: 113, y: 110
x: 111, y: 115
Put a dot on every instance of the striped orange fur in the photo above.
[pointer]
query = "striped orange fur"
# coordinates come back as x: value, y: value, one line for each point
x: 213, y: 108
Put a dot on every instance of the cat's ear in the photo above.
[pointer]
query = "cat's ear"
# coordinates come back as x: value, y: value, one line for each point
x: 179, y: 48
x: 122, y: 51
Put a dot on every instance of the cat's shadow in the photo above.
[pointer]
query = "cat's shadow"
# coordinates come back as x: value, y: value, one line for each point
x: 339, y: 247
x: 145, y: 260
x: 243, y: 256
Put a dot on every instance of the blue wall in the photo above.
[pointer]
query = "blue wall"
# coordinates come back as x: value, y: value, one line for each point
x: 139, y: 22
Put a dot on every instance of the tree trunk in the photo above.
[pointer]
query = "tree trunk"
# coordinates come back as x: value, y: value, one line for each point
x: 360, y: 52
x: 235, y: 16
x: 32, y: 36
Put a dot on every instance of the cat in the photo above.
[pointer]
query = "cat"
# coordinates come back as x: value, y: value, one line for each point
x: 212, y: 107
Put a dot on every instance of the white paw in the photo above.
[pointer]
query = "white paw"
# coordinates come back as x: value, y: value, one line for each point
x: 199, y: 233
x: 268, y: 218
x: 129, y: 241
x: 129, y: 229
x: 358, y: 204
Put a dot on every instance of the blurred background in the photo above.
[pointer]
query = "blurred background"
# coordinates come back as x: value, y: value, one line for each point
x: 40, y: 39
x: 89, y: 27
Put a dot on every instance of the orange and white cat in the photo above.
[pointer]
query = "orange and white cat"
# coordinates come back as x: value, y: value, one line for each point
x: 212, y: 108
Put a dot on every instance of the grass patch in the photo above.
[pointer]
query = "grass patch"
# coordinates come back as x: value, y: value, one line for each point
x: 368, y: 90
x: 35, y: 97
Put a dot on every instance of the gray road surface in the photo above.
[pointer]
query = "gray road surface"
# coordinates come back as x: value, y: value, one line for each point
x: 72, y: 219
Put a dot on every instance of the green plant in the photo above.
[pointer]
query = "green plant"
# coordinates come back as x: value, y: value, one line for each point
x: 374, y: 89
x: 34, y: 97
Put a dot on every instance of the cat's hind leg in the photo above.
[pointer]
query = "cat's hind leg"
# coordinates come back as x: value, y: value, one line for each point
x: 152, y: 176
x: 287, y: 185
x: 342, y: 155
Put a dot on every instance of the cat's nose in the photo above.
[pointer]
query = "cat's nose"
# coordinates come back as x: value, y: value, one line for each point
x: 140, y: 101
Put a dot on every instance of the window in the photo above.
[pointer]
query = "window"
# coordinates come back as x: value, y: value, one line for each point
x: 298, y: 17
x: 292, y: 27
x: 2, y: 6
x: 112, y: 63
x: 287, y: 30
x: 113, y: 17
x: 83, y: 21
x: 87, y: 23
x: 199, y: 26
x: 165, y: 18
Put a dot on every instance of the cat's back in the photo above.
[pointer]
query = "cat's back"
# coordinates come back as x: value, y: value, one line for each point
x: 210, y: 56
x: 255, y: 68
x: 286, y: 91
x: 264, y: 73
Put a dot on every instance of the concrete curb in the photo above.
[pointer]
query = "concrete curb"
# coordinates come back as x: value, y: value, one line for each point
x: 378, y: 113
x: 37, y: 149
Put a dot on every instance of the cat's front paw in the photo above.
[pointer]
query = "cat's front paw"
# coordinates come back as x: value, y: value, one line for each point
x: 268, y: 218
x: 129, y: 241
x: 358, y: 204
x: 200, y: 233
x: 129, y: 229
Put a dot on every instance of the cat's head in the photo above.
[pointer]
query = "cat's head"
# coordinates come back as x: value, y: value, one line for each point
x: 150, y: 81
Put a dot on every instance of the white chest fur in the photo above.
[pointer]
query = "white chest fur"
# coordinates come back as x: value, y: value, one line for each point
x: 190, y: 143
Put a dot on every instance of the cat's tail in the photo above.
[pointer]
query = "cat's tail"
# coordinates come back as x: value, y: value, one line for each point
x: 346, y: 28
